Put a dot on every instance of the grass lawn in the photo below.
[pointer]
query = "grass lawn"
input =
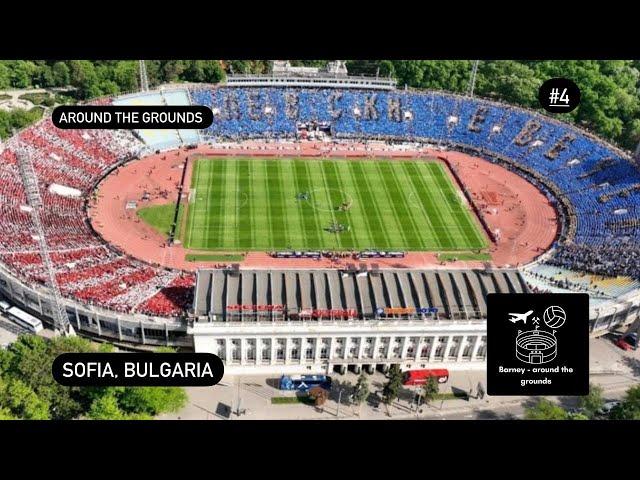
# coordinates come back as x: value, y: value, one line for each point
x: 240, y: 204
x: 37, y: 98
x: 292, y: 400
x: 160, y: 217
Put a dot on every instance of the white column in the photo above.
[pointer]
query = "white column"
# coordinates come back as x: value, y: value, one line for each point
x: 405, y: 347
x: 318, y: 348
x: 476, y: 347
x: 363, y: 342
x: 272, y: 361
x: 332, y: 342
x: 376, y: 345
x: 227, y: 347
x: 447, y: 348
x: 287, y: 357
x: 390, y: 347
x: 434, y: 346
x: 301, y: 343
x: 418, y: 349
x: 463, y: 345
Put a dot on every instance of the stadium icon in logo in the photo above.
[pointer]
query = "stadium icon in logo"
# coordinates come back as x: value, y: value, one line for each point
x: 537, y: 346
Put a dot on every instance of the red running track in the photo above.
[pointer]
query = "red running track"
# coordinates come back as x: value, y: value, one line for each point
x: 521, y: 216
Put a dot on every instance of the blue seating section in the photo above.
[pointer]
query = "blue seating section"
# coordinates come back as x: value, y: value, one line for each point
x: 454, y: 121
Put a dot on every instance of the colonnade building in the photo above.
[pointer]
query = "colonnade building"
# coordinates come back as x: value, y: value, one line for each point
x: 315, y: 321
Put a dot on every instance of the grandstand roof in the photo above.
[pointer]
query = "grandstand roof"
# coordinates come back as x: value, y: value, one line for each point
x: 455, y: 293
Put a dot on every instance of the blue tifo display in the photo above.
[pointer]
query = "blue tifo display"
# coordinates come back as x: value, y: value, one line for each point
x: 572, y: 160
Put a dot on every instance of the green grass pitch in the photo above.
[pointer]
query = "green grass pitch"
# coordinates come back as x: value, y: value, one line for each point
x: 239, y: 204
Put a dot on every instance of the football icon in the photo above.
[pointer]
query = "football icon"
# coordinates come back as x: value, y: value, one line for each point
x: 554, y: 316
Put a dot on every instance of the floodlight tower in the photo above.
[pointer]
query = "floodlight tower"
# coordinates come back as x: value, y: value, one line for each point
x: 144, y: 79
x: 472, y: 81
x: 61, y: 322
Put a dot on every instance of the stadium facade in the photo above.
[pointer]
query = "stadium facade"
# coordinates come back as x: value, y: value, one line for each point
x: 299, y: 321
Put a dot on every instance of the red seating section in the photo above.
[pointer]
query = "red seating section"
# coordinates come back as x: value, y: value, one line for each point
x: 86, y: 268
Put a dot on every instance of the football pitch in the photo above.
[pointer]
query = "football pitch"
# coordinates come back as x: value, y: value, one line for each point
x: 243, y: 204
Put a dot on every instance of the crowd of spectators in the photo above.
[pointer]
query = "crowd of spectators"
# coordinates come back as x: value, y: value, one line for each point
x: 598, y: 185
x: 573, y: 165
x: 617, y: 259
x: 86, y: 269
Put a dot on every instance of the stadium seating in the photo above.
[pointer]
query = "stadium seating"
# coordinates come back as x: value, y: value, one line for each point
x: 597, y: 180
x: 568, y: 157
x: 86, y: 269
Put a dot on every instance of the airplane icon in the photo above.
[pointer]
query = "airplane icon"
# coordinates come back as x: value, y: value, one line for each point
x: 517, y: 317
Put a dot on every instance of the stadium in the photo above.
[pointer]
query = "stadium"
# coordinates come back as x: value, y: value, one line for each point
x: 322, y: 221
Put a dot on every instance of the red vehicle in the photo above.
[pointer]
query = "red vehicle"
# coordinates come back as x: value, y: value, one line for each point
x: 628, y: 341
x: 420, y: 377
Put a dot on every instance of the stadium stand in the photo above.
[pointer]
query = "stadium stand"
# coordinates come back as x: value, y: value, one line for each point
x: 595, y: 183
x: 594, y: 179
x: 154, y: 139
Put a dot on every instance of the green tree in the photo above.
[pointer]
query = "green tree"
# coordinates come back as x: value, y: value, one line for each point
x: 629, y: 408
x: 5, y: 414
x: 125, y: 76
x: 22, y: 73
x: 5, y: 75
x: 28, y: 390
x: 61, y: 74
x: 84, y: 77
x: 171, y: 70
x: 409, y: 72
x: 32, y: 360
x: 105, y: 87
x: 209, y: 71
x: 152, y: 400
x: 19, y: 399
x: 510, y: 81
x: 239, y: 66
x: 361, y: 390
x: 46, y: 78
x: 5, y: 124
x: 391, y: 389
x: 105, y: 408
x: 593, y: 401
x: 546, y: 410
x: 430, y: 389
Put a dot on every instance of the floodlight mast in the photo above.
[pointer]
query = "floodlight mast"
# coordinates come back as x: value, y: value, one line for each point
x: 61, y: 322
x: 144, y: 79
x: 472, y: 81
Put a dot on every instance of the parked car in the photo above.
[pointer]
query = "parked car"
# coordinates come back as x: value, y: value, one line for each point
x: 628, y: 341
x: 607, y: 407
